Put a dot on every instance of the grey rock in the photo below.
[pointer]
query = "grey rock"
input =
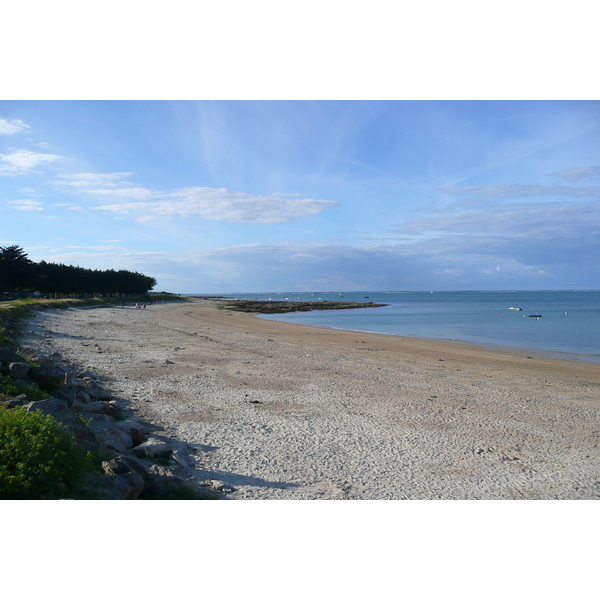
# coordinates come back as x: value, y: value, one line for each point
x: 48, y: 378
x: 82, y: 397
x: 162, y: 471
x: 152, y: 447
x: 55, y: 407
x: 114, y: 443
x: 19, y: 370
x: 8, y: 356
x: 94, y: 407
x: 126, y: 486
x: 133, y: 428
x: 123, y: 464
x: 43, y: 361
x: 95, y: 391
x: 16, y: 401
x: 218, y: 485
x: 122, y: 435
x: 84, y: 374
x: 64, y: 395
x: 183, y: 461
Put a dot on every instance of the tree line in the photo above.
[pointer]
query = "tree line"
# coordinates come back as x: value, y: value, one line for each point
x: 18, y: 274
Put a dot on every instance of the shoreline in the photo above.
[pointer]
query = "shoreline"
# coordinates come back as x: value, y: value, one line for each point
x: 520, y: 350
x: 286, y: 411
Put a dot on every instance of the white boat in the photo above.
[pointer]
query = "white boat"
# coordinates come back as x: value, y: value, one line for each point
x: 514, y: 308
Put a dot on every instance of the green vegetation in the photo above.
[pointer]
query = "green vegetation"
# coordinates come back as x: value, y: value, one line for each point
x: 9, y: 388
x: 39, y: 458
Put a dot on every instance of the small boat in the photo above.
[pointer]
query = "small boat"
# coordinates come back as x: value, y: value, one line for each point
x: 536, y: 316
x: 514, y: 308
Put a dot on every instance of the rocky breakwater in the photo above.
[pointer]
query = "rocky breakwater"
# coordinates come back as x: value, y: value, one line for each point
x: 276, y: 306
x: 136, y: 465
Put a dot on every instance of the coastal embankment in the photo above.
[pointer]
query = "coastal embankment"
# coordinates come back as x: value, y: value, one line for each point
x: 283, y: 411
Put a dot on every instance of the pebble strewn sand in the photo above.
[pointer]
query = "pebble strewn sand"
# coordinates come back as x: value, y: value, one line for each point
x: 283, y: 411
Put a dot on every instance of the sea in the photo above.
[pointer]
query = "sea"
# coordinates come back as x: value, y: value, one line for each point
x: 568, y: 326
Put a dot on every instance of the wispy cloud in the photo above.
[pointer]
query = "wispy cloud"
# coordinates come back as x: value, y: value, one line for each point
x: 532, y: 221
x: 23, y: 161
x: 223, y: 205
x: 578, y: 173
x: 28, y: 191
x: 136, y: 193
x: 12, y: 126
x: 94, y: 179
x: 523, y: 191
x: 26, y: 204
x: 217, y: 204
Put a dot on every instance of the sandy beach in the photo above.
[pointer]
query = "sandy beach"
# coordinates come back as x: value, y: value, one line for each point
x: 283, y: 411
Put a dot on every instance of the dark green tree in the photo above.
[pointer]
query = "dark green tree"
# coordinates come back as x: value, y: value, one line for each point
x: 17, y: 272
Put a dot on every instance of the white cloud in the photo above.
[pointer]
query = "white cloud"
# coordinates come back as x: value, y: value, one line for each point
x: 28, y: 191
x: 136, y: 193
x: 94, y: 179
x: 578, y: 173
x: 11, y: 126
x: 147, y: 219
x: 26, y: 204
x: 22, y: 161
x: 223, y: 205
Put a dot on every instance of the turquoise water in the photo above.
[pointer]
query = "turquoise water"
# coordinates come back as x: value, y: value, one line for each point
x: 569, y: 326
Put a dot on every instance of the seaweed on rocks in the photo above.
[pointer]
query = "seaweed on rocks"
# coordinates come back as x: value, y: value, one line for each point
x: 276, y: 306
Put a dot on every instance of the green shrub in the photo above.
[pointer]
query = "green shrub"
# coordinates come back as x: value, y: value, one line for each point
x: 10, y: 388
x: 5, y: 340
x: 39, y: 458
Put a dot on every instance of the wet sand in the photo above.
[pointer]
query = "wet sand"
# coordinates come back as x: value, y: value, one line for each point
x: 284, y: 411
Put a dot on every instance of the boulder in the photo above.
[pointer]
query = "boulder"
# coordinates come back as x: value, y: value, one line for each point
x: 88, y: 438
x: 19, y: 370
x: 123, y: 436
x: 123, y: 464
x: 133, y: 428
x: 94, y: 407
x: 8, y: 356
x: 182, y: 461
x: 162, y: 471
x: 55, y: 407
x: 63, y: 395
x: 126, y: 486
x: 218, y: 486
x: 16, y: 401
x: 114, y: 443
x: 152, y: 447
x: 48, y: 378
x: 82, y: 397
x: 95, y: 391
x: 43, y: 361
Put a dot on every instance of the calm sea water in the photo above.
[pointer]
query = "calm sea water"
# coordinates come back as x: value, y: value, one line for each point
x: 569, y: 326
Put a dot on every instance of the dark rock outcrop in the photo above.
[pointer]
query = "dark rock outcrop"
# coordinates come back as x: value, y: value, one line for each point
x: 275, y: 306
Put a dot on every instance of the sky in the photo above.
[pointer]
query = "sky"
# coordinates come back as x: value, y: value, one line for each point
x: 259, y: 196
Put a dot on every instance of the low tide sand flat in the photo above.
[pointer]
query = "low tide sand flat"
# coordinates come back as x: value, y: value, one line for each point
x: 283, y: 411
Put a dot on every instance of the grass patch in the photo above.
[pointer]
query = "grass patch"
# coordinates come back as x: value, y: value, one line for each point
x: 9, y: 388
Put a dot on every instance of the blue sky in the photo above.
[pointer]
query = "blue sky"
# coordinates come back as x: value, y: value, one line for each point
x: 232, y: 196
